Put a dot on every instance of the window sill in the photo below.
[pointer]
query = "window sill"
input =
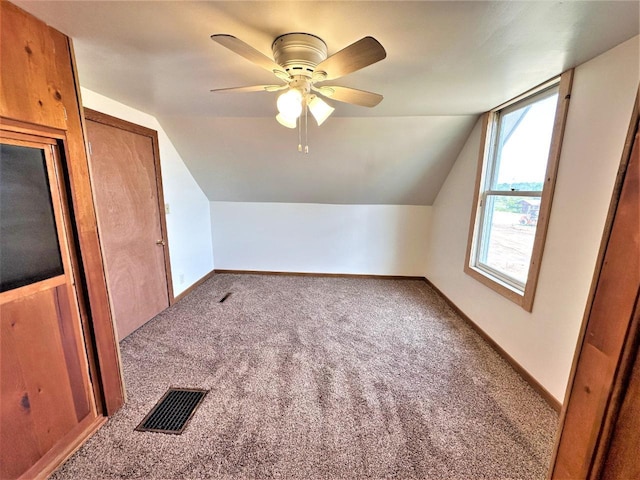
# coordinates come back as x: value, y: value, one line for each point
x: 516, y: 296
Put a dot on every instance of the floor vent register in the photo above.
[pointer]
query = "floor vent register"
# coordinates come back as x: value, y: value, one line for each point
x: 173, y: 411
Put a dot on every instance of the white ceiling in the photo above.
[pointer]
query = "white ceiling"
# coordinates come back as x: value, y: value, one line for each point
x: 446, y: 63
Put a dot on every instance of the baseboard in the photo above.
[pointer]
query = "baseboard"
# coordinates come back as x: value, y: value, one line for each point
x: 194, y: 286
x: 330, y: 275
x: 543, y: 392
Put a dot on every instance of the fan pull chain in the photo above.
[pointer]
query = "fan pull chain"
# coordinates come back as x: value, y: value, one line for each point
x: 300, y: 135
x: 306, y: 129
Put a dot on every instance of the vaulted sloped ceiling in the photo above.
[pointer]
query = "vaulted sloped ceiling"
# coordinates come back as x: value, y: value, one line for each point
x: 446, y: 63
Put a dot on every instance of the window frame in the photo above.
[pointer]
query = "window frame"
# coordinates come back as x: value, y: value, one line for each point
x: 523, y: 296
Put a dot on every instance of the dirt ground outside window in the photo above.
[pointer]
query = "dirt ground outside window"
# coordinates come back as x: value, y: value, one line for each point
x: 510, y: 245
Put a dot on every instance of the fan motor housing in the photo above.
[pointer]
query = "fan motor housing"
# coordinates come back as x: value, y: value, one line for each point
x: 299, y: 53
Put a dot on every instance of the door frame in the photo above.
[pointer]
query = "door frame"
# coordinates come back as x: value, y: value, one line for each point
x: 115, y: 122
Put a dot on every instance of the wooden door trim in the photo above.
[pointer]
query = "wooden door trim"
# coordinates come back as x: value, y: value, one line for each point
x: 603, y: 425
x: 105, y: 119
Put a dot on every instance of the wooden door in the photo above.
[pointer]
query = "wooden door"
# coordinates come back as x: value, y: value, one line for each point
x: 46, y: 394
x: 125, y: 172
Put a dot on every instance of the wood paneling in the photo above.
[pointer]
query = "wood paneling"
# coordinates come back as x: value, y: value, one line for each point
x: 599, y: 375
x: 130, y: 212
x: 39, y: 95
x: 70, y: 443
x: 21, y: 451
x: 28, y: 60
x: 21, y: 84
x: 30, y: 332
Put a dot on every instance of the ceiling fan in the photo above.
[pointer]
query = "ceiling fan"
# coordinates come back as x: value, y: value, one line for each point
x: 300, y: 61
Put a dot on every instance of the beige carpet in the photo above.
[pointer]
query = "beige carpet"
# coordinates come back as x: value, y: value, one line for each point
x: 314, y: 377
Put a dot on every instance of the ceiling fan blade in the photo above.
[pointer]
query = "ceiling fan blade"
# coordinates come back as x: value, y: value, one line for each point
x: 350, y: 95
x: 360, y: 54
x: 252, y: 88
x: 247, y: 51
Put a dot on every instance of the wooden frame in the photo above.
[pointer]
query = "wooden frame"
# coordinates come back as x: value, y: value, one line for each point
x: 526, y: 298
x: 105, y: 119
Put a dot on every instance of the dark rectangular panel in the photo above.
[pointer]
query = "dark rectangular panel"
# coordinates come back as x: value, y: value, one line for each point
x: 29, y: 249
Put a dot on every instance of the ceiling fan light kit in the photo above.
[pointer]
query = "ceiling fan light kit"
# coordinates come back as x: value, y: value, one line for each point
x: 301, y: 61
x: 320, y: 109
x: 286, y: 121
x: 290, y: 103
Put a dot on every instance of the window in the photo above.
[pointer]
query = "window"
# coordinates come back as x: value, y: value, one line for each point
x: 518, y: 163
x: 29, y: 248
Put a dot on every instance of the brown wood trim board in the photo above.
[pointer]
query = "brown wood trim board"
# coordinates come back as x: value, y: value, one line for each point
x: 313, y: 274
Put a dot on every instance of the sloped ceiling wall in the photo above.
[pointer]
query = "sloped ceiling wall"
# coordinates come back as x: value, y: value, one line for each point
x: 371, y: 160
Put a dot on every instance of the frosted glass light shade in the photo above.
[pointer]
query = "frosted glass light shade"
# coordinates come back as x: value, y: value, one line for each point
x: 290, y: 104
x: 320, y: 109
x: 286, y: 121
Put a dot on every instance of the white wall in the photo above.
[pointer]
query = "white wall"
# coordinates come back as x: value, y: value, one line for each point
x: 189, y: 222
x: 320, y: 238
x: 544, y: 341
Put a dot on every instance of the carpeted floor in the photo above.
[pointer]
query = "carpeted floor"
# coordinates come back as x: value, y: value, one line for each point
x: 316, y: 377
